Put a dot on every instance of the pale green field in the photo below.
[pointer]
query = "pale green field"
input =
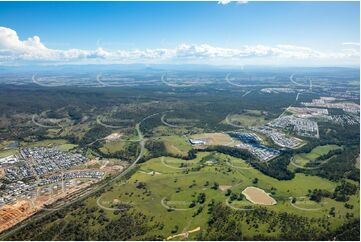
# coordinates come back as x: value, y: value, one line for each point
x: 5, y: 153
x: 113, y: 146
x: 248, y: 119
x: 163, y: 130
x: 47, y: 142
x: 177, y: 145
x: 170, y: 182
x: 304, y: 158
x: 66, y: 147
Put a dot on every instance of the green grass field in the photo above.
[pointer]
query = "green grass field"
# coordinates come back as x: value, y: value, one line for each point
x: 177, y: 145
x: 5, y: 153
x: 168, y: 185
x: 248, y: 118
x: 113, y: 146
x: 304, y: 158
x: 47, y: 142
x: 163, y: 130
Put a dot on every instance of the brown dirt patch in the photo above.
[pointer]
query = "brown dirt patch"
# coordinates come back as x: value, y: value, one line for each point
x: 224, y: 188
x: 14, y: 213
x: 258, y: 196
x: 113, y: 136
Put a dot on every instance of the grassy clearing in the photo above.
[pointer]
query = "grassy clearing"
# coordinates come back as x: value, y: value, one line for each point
x: 112, y: 147
x: 163, y: 130
x: 47, y: 142
x: 247, y: 118
x: 67, y: 147
x: 179, y: 188
x: 177, y: 145
x: 61, y: 144
x: 304, y: 158
x: 5, y: 153
x: 164, y: 186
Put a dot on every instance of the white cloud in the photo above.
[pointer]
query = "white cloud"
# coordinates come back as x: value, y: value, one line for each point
x: 351, y: 43
x: 14, y: 50
x: 224, y: 2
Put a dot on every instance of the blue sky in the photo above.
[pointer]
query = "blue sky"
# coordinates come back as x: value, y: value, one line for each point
x: 128, y: 26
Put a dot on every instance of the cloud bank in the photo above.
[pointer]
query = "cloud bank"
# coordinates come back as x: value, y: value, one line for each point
x: 13, y: 50
x: 225, y: 2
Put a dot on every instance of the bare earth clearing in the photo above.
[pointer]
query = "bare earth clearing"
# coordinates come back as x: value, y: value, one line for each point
x: 113, y: 136
x: 258, y: 196
x: 216, y: 139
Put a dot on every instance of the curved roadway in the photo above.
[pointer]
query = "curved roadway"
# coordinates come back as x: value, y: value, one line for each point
x: 83, y: 193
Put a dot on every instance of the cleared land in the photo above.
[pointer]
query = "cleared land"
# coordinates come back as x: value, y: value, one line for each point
x: 12, y: 214
x: 304, y: 158
x: 112, y: 147
x: 247, y: 118
x: 258, y: 196
x: 177, y: 145
x: 113, y: 136
x: 215, y: 139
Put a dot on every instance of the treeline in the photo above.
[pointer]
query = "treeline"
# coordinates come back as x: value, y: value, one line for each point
x: 347, y: 232
x: 128, y: 153
x: 235, y: 152
x: 93, y: 134
x: 341, y: 193
x: 339, y: 166
x: 157, y: 148
x: 276, y: 168
x: 264, y: 224
x: 328, y: 155
x: 223, y: 220
x: 86, y: 223
x: 340, y: 135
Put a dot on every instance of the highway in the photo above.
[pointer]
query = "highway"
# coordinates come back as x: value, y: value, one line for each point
x: 164, y: 78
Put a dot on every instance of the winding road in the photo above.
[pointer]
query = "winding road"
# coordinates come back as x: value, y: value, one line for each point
x: 82, y: 194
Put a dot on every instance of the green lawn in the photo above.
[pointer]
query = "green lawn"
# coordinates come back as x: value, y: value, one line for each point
x: 248, y: 118
x: 66, y: 147
x: 113, y: 146
x: 5, y: 153
x: 168, y: 186
x: 177, y: 145
x: 304, y: 158
x: 47, y: 142
x: 178, y: 189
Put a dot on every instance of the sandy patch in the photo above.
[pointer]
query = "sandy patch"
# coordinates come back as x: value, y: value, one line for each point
x: 258, y: 196
x: 184, y: 234
x: 113, y: 169
x: 224, y: 188
x: 113, y: 136
x: 152, y: 173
